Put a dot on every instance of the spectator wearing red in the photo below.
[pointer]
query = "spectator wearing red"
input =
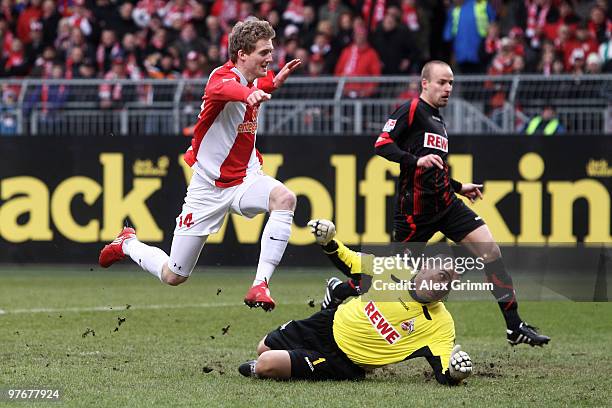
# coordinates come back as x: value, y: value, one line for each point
x: 226, y: 10
x: 587, y: 41
x: 294, y: 13
x: 503, y: 62
x: 533, y: 17
x: 32, y: 12
x: 359, y: 59
x: 15, y: 63
x: 565, y: 43
x: 81, y: 18
x: 372, y: 12
x: 410, y: 15
x: 563, y: 14
x: 181, y: 10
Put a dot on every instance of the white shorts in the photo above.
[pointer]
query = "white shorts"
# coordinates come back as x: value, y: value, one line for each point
x: 205, y: 209
x: 206, y: 205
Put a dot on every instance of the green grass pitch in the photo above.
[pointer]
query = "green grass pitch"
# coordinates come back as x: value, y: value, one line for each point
x: 171, y: 349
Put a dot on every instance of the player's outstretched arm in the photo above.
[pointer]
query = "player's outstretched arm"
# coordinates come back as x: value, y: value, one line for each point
x: 346, y: 260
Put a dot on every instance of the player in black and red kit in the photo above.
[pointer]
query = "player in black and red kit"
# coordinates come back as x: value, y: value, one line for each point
x: 415, y: 136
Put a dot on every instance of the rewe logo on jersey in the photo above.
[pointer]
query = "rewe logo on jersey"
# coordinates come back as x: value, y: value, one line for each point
x: 382, y: 325
x: 435, y: 141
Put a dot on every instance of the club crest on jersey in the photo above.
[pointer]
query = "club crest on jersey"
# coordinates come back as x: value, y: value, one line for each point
x: 435, y: 141
x: 390, y: 125
x: 408, y: 326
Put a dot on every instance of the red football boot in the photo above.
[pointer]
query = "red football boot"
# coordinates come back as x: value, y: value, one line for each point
x: 113, y: 252
x: 259, y: 295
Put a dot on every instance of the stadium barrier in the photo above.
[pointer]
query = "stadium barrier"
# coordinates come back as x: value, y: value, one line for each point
x: 316, y: 106
x: 61, y: 198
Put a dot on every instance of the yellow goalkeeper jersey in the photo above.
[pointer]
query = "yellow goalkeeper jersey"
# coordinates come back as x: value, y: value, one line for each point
x: 377, y: 329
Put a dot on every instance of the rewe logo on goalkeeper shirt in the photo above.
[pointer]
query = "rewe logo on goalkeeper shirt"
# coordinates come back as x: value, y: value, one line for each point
x: 381, y: 324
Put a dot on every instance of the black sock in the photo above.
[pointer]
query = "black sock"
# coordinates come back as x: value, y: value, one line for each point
x: 347, y: 289
x: 503, y: 290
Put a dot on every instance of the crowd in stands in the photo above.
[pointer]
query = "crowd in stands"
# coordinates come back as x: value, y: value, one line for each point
x: 188, y: 38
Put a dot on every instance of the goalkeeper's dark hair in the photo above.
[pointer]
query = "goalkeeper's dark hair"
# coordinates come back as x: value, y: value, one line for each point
x: 244, y: 36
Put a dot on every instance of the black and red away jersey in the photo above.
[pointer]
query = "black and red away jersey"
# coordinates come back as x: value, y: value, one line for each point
x: 418, y: 129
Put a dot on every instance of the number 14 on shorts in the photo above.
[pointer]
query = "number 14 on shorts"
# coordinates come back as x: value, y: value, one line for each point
x: 186, y: 221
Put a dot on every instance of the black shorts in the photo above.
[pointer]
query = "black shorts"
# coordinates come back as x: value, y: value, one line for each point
x: 314, y: 353
x: 457, y: 221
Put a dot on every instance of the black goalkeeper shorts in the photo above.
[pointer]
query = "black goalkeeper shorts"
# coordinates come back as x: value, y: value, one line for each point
x: 314, y: 353
x: 456, y: 222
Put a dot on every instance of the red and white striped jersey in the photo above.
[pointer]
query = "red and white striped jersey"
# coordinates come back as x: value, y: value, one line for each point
x: 223, y: 147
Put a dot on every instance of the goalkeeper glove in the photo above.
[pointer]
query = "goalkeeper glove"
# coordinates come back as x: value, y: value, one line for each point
x: 460, y: 366
x: 324, y: 231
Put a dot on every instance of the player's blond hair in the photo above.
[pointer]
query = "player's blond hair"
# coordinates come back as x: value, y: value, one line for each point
x: 426, y: 71
x: 245, y: 35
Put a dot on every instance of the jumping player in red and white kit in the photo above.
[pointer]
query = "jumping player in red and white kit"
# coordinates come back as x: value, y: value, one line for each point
x: 227, y: 175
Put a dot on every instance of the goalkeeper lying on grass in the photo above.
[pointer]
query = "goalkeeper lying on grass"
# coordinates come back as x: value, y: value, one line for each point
x: 378, y: 328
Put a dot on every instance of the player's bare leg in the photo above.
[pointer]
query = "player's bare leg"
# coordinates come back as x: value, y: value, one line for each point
x: 274, y: 241
x: 480, y: 242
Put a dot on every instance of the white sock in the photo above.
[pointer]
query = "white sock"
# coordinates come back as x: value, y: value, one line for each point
x: 149, y: 258
x: 273, y: 243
